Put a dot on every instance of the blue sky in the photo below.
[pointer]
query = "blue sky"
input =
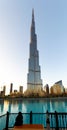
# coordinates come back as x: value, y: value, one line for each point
x: 51, y: 30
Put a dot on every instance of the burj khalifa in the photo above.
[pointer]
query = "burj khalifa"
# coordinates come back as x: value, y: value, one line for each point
x: 34, y: 72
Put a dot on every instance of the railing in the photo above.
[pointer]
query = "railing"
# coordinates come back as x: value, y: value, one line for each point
x: 3, y: 121
x: 49, y: 120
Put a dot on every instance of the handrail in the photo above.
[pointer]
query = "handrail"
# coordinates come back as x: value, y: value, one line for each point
x: 2, y: 115
x: 49, y: 119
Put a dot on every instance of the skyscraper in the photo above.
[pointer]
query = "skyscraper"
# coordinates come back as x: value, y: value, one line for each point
x: 21, y: 89
x: 11, y: 88
x: 34, y: 73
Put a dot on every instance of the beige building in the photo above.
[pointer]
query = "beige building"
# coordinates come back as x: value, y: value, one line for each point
x: 61, y: 85
x: 56, y: 89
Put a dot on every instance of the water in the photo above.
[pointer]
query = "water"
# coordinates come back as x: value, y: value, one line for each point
x: 25, y: 106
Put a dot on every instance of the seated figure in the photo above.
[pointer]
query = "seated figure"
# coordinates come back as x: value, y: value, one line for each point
x: 19, y: 119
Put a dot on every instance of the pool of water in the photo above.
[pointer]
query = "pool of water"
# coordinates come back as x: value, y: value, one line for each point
x: 34, y: 105
x: 27, y: 105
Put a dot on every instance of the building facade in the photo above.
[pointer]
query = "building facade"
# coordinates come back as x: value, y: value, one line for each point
x: 11, y: 88
x: 21, y: 89
x: 4, y: 90
x: 46, y: 88
x: 57, y: 88
x: 34, y: 72
x: 60, y: 84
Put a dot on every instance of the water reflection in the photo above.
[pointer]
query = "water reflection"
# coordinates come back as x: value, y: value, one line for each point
x: 9, y: 107
x: 58, y: 106
x: 14, y: 106
x: 1, y: 105
x: 19, y: 106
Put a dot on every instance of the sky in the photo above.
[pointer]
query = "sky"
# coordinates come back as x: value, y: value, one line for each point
x: 51, y: 30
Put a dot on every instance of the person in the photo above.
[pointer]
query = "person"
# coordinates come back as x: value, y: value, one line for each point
x: 19, y: 119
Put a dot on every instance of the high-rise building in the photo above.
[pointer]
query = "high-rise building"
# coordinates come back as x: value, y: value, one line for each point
x: 34, y: 73
x: 4, y: 90
x: 21, y: 89
x: 60, y: 84
x: 11, y: 88
x: 46, y: 88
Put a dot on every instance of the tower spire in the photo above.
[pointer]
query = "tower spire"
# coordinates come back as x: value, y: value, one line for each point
x: 32, y: 15
x: 32, y: 25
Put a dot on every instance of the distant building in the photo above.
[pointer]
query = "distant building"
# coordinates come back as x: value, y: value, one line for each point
x: 46, y: 88
x: 57, y: 88
x: 15, y: 91
x: 11, y: 88
x: 21, y: 89
x: 4, y: 90
x: 66, y: 90
x: 60, y: 84
x: 2, y: 93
